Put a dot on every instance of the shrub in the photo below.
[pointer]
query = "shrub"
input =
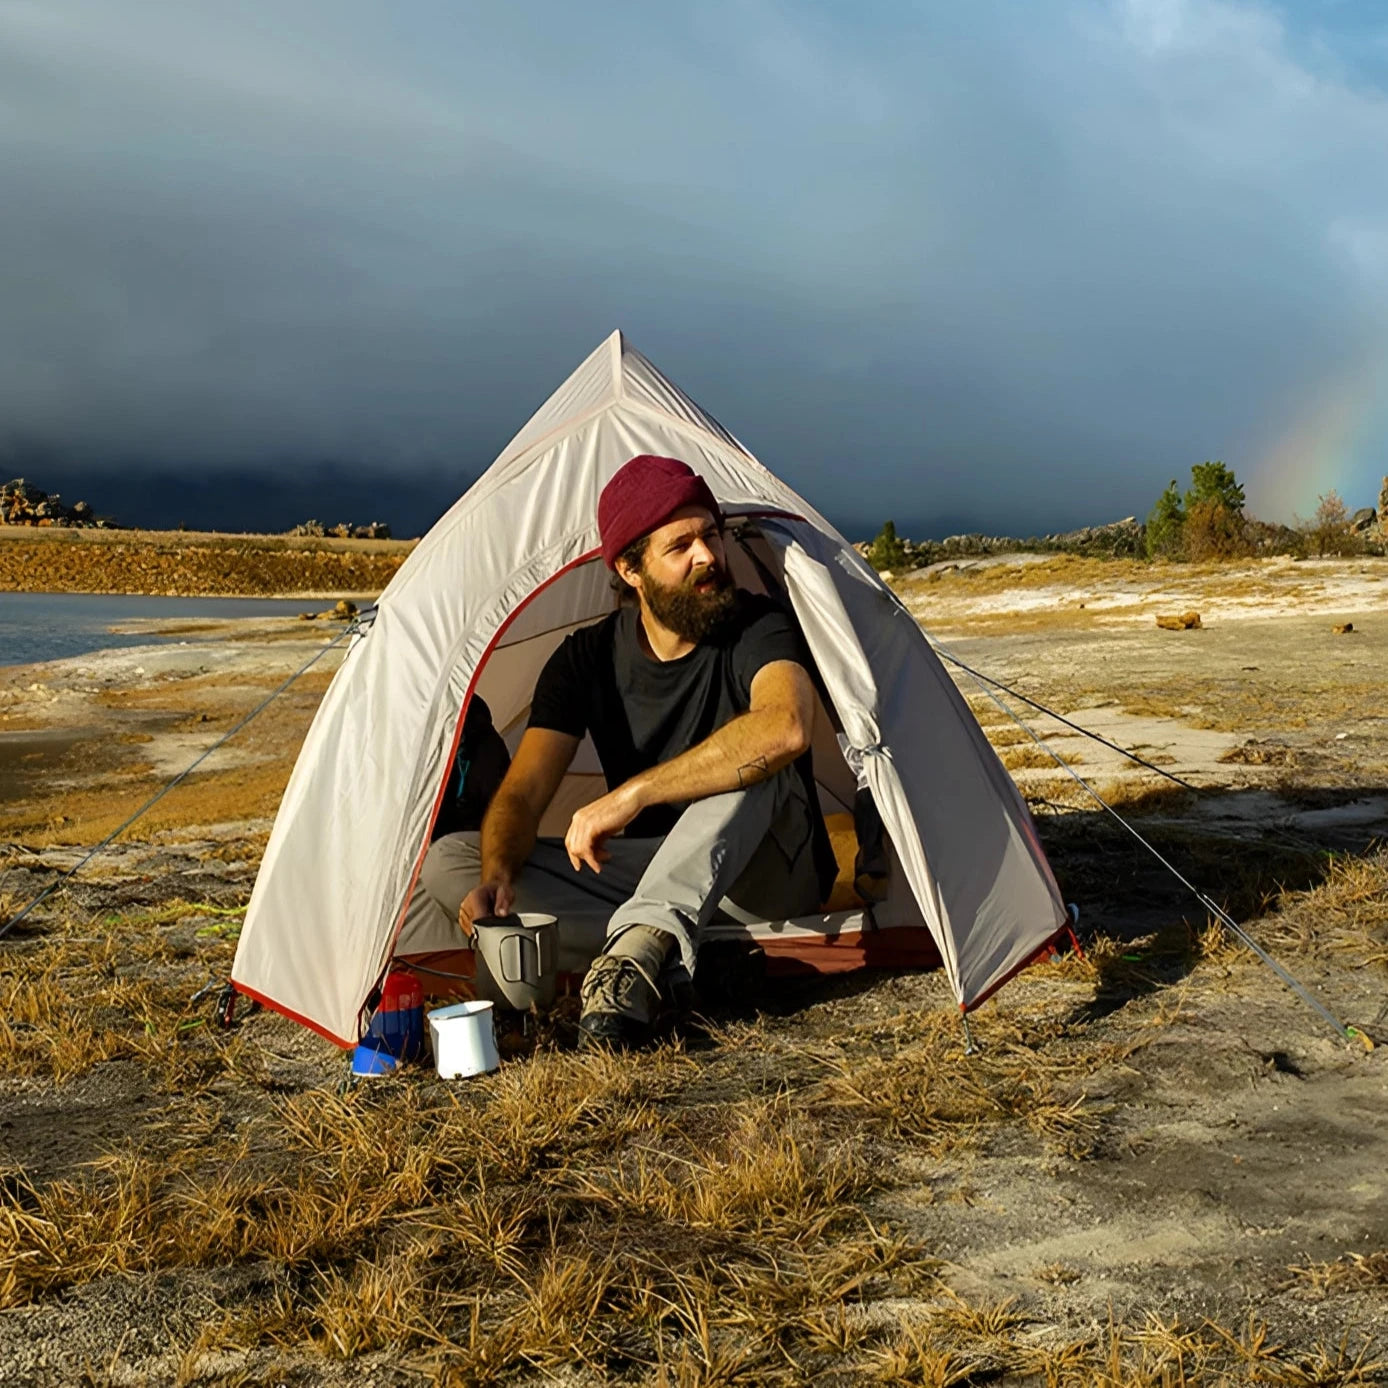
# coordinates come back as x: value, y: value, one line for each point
x: 1328, y: 531
x: 1215, y: 531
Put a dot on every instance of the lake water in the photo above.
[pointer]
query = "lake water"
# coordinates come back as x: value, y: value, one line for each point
x: 53, y: 626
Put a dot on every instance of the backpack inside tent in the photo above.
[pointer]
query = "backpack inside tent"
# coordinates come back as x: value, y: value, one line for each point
x: 478, y: 607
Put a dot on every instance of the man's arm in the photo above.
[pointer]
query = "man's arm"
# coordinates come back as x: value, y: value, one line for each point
x: 513, y: 819
x: 749, y: 748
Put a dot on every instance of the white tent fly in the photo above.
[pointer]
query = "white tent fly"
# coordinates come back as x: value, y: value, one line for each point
x: 477, y: 608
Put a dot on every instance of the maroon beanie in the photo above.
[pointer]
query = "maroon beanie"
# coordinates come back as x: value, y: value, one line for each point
x: 644, y: 494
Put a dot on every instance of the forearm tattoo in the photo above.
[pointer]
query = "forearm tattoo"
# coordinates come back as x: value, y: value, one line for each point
x: 751, y: 772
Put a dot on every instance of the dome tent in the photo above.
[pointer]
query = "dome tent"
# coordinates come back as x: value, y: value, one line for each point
x: 478, y: 606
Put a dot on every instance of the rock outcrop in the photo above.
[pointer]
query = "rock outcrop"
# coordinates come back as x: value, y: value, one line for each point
x: 1121, y: 538
x: 343, y: 530
x: 22, y: 503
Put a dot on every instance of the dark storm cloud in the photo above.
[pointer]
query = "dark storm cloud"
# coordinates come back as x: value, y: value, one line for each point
x: 1018, y: 264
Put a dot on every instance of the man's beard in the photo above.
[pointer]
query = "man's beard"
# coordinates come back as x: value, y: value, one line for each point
x: 690, y: 614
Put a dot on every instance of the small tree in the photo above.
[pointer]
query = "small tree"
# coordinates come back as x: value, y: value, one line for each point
x: 1166, y: 524
x: 887, y: 551
x: 1217, y: 483
x: 1328, y: 531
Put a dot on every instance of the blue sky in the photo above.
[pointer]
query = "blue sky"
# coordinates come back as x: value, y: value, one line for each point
x: 1011, y: 265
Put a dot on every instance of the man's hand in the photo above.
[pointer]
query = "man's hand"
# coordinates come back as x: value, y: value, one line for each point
x: 508, y: 831
x: 490, y: 899
x: 594, y: 824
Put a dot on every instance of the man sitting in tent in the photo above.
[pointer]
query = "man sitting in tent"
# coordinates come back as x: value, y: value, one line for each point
x: 699, y: 702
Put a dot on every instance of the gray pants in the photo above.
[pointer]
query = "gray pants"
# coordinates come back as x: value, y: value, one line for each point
x: 746, y: 855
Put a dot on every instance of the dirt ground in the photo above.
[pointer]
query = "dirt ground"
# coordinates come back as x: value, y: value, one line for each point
x: 1160, y: 1166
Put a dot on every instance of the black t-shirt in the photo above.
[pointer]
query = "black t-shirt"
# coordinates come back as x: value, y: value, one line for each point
x: 642, y: 711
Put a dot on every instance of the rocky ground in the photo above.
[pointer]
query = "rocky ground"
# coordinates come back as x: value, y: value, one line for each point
x: 1160, y: 1168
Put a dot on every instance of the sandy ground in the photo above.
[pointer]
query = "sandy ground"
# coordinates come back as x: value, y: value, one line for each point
x: 1062, y: 589
x: 1223, y: 1158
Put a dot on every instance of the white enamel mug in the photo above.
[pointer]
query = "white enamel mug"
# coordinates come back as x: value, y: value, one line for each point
x: 464, y: 1039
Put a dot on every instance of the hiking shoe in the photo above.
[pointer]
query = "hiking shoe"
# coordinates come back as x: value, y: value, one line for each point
x: 610, y: 1031
x: 619, y: 1003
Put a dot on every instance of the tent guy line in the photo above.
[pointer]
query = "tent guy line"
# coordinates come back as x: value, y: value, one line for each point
x: 187, y: 771
x: 1059, y: 718
x: 1345, y: 1033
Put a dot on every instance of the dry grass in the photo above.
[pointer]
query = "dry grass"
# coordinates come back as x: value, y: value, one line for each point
x: 1328, y: 696
x: 1080, y: 577
x: 116, y: 988
x: 914, y: 1089
x: 953, y: 1343
x: 1352, y: 1272
x: 1075, y: 594
x: 571, y: 1209
x: 1029, y: 757
x: 86, y: 816
x: 705, y: 1216
x: 160, y: 562
x: 1007, y: 735
x: 183, y: 694
x: 1341, y: 918
x: 463, y: 1234
x: 1256, y: 752
x: 1069, y: 569
x: 1138, y: 793
x: 693, y: 1218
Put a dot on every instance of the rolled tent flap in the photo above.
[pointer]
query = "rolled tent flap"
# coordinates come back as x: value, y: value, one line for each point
x: 354, y: 822
x: 962, y: 832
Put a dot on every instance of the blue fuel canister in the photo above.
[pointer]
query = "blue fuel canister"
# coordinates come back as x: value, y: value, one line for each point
x: 396, y: 1032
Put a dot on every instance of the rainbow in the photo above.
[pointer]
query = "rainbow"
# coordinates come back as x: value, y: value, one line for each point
x: 1337, y: 441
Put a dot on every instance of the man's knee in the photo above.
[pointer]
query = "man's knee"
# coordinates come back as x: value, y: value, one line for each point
x: 452, y: 868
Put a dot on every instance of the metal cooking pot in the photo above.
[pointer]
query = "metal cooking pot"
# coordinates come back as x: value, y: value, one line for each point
x: 521, y: 954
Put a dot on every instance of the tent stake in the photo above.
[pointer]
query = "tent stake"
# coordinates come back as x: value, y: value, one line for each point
x: 971, y: 1047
